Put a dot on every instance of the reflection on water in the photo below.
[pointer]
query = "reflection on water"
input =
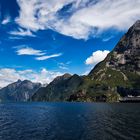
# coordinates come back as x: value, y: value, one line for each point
x: 69, y: 121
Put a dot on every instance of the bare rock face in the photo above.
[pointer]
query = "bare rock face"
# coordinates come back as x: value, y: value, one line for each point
x: 121, y: 68
x: 19, y: 91
x: 126, y: 55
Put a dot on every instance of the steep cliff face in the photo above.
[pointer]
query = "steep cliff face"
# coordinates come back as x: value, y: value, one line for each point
x: 117, y: 75
x: 120, y: 69
x: 59, y: 89
x: 122, y: 66
x: 126, y: 55
x: 19, y: 91
x: 119, y: 72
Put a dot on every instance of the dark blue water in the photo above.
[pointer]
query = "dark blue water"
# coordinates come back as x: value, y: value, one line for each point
x: 69, y: 121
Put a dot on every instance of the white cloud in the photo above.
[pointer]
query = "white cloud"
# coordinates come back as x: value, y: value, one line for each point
x: 6, y: 20
x: 29, y: 51
x: 87, y: 17
x: 25, y: 50
x: 107, y: 38
x: 64, y: 66
x: 96, y: 57
x: 15, y: 37
x: 43, y: 76
x: 45, y: 57
x: 38, y: 13
x: 21, y: 32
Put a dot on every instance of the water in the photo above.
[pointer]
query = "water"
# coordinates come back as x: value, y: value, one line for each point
x: 69, y: 121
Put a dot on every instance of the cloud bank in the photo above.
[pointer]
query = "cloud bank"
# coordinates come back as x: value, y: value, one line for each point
x: 79, y: 19
x: 8, y: 75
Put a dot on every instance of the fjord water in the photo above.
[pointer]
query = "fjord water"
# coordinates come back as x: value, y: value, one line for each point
x: 69, y: 121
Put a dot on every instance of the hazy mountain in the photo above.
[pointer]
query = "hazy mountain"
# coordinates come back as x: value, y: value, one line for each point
x: 19, y: 91
x: 118, y: 74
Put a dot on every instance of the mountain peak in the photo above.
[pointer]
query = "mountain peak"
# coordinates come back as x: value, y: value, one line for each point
x: 121, y: 68
x: 137, y: 23
x: 18, y: 81
x: 19, y: 91
x: 134, y: 28
x: 26, y: 81
x: 67, y: 75
x: 124, y: 60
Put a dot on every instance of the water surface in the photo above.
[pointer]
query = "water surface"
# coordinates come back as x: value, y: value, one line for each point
x: 69, y: 121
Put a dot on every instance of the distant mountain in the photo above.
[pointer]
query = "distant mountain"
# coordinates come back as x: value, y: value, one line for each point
x: 44, y: 85
x: 117, y: 75
x: 19, y: 91
x: 59, y: 89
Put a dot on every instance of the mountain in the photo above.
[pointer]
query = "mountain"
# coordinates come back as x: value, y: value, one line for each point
x: 59, y: 89
x: 19, y: 91
x: 121, y: 68
x: 117, y: 75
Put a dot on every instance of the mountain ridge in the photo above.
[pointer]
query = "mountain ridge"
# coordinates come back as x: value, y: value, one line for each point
x: 120, y: 69
x: 60, y: 88
x: 18, y: 91
x: 118, y: 75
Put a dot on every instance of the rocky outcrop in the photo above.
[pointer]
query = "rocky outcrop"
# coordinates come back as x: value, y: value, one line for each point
x: 122, y: 66
x: 126, y: 55
x: 19, y: 91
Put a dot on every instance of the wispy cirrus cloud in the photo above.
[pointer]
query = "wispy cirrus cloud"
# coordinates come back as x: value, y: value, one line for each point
x: 22, y: 32
x: 6, y: 20
x: 15, y: 37
x: 98, y: 16
x: 107, y: 38
x: 42, y: 55
x: 45, y: 57
x: 29, y: 51
x: 64, y: 66
x: 38, y: 13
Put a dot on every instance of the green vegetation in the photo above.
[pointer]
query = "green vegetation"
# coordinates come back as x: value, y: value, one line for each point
x: 119, y: 70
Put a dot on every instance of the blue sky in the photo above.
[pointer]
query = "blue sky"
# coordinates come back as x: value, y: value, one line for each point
x: 41, y: 39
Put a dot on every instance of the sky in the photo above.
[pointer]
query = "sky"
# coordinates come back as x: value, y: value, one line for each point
x: 42, y: 39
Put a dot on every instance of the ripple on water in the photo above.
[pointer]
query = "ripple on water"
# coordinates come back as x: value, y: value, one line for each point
x: 70, y: 121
